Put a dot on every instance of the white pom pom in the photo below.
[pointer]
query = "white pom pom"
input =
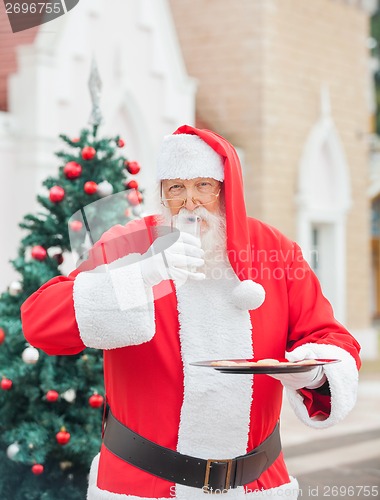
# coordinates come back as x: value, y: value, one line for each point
x: 248, y: 295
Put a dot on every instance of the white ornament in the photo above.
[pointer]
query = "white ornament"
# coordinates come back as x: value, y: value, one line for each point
x: 30, y: 355
x: 69, y: 395
x: 137, y: 211
x: 104, y: 189
x: 12, y: 450
x: 52, y: 251
x: 15, y: 288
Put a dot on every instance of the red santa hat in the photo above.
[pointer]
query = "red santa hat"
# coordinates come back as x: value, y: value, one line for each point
x: 192, y: 152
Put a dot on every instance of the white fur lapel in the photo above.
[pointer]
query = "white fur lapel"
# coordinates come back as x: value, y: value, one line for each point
x: 215, y: 414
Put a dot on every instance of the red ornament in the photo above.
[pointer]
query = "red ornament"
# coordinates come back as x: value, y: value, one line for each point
x: 76, y: 225
x: 132, y: 184
x: 90, y: 187
x: 76, y: 139
x: 6, y: 384
x: 72, y: 170
x: 96, y: 400
x: 52, y: 396
x: 2, y: 336
x: 88, y: 153
x: 120, y: 143
x: 133, y: 167
x: 39, y: 252
x: 63, y: 437
x: 56, y: 194
x: 37, y: 469
x: 134, y: 197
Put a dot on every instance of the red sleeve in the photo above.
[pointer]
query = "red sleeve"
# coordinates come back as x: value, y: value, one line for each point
x: 48, y: 318
x: 48, y: 315
x: 311, y: 317
x: 311, y: 320
x: 316, y: 404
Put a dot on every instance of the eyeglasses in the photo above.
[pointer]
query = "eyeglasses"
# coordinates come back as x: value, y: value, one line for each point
x: 200, y: 200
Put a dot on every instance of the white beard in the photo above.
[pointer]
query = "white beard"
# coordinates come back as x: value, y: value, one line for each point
x: 213, y: 236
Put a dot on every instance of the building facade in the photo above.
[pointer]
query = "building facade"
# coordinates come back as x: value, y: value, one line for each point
x: 286, y: 81
x: 289, y: 83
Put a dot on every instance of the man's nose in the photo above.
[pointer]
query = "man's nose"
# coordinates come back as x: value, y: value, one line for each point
x: 190, y: 205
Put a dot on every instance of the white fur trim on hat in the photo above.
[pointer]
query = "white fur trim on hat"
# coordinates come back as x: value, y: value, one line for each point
x: 187, y: 156
x: 248, y: 295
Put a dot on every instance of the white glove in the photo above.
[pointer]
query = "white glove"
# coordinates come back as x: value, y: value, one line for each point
x: 309, y: 380
x: 179, y: 261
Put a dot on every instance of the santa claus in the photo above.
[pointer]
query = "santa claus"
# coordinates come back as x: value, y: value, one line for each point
x: 163, y: 300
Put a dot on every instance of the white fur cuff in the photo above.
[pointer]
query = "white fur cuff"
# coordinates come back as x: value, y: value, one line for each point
x: 248, y: 295
x: 342, y: 378
x: 113, y: 308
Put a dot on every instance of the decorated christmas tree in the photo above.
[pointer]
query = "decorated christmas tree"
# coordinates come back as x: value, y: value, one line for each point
x: 51, y: 407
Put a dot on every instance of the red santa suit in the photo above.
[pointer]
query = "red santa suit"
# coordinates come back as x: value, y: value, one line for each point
x: 150, y: 337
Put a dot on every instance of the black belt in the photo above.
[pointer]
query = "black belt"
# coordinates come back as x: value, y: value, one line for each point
x: 213, y: 475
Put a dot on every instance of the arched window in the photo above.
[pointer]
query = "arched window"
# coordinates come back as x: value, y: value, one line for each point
x: 323, y: 201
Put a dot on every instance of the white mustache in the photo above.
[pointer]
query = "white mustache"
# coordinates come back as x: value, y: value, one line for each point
x: 204, y: 214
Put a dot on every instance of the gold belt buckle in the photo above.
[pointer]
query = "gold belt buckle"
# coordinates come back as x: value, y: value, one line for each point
x: 206, y: 488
